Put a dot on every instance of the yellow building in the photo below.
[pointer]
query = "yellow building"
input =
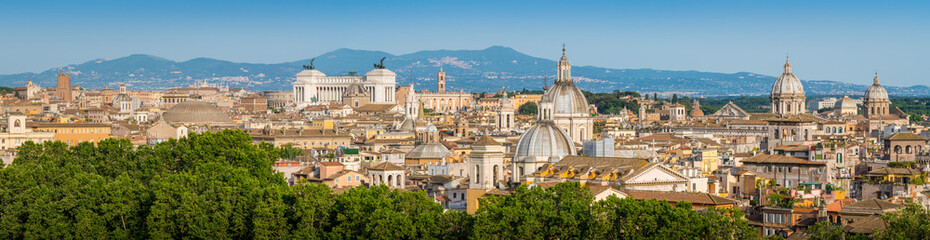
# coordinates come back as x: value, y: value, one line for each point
x: 520, y: 99
x: 709, y: 160
x: 16, y: 133
x: 74, y: 133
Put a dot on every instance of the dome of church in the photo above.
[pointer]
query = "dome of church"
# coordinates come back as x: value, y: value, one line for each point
x: 545, y: 139
x: 430, y: 150
x: 876, y: 91
x: 844, y: 103
x: 122, y: 97
x: 696, y: 112
x: 196, y: 113
x: 787, y: 83
x: 567, y: 98
x: 356, y: 89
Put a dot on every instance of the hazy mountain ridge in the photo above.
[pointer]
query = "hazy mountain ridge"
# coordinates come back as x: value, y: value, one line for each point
x: 470, y: 70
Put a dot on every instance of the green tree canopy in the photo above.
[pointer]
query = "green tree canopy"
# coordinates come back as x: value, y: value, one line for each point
x: 528, y: 108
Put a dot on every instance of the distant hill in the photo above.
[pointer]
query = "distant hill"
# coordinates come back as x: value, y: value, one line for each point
x: 470, y: 70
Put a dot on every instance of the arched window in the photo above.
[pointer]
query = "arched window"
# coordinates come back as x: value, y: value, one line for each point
x: 908, y: 149
x: 496, y: 173
x: 390, y: 180
x: 477, y: 174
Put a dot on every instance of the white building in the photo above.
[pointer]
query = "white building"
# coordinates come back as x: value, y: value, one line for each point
x: 313, y: 87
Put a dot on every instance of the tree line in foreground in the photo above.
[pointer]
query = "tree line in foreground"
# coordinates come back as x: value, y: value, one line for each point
x: 221, y: 185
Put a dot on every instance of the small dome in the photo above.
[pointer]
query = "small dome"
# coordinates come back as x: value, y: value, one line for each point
x: 844, y: 103
x: 122, y: 97
x: 696, y: 112
x: 787, y: 83
x: 430, y: 150
x: 356, y: 89
x: 545, y: 139
x: 876, y: 91
x: 196, y: 113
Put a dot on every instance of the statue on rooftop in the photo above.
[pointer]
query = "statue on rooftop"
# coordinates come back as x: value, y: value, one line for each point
x: 310, y: 67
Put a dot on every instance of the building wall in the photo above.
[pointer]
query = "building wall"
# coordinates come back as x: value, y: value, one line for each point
x: 327, y: 142
x: 448, y: 102
x: 314, y: 85
x: 788, y: 175
x: 74, y: 133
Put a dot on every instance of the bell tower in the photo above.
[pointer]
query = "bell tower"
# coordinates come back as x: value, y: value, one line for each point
x: 505, y: 114
x: 441, y: 81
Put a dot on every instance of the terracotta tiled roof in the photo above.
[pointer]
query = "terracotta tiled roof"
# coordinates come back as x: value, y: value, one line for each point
x: 867, y: 225
x: 838, y: 205
x: 779, y: 159
x: 870, y: 206
x: 486, y: 140
x: 385, y: 166
x: 793, y: 148
x: 905, y: 136
x: 375, y: 107
x: 895, y: 171
x: 674, y: 197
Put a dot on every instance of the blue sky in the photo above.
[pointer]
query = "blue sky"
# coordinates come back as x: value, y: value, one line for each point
x: 842, y: 40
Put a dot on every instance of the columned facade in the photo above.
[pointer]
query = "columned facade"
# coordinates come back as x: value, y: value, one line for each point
x: 313, y: 87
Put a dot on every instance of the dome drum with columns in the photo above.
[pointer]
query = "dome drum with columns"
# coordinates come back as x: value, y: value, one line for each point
x: 567, y: 106
x: 875, y: 101
x: 787, y: 94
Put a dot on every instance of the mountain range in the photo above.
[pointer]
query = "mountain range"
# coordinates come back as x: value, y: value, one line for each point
x: 484, y: 70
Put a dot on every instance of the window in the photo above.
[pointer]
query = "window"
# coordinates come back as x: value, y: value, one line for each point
x: 337, y: 180
x: 349, y: 178
x: 358, y: 178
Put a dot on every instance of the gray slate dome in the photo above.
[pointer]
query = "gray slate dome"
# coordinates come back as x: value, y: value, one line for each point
x: 121, y: 97
x: 356, y: 89
x: 876, y: 91
x: 545, y: 139
x: 196, y: 113
x: 787, y: 83
x: 430, y: 150
x: 567, y: 98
